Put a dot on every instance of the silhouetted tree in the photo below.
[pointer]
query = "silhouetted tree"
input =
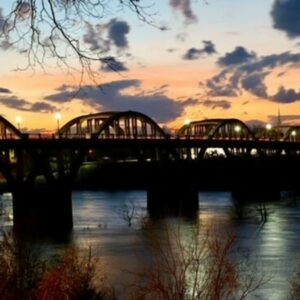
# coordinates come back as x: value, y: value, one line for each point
x: 45, y: 29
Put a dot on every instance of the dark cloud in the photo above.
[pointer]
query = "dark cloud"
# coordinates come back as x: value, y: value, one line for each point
x: 117, y: 32
x: 248, y: 73
x: 222, y: 104
x: 209, y: 47
x: 5, y: 44
x: 285, y: 15
x: 5, y: 90
x: 113, y: 97
x: 102, y: 37
x: 221, y: 85
x: 20, y: 104
x: 286, y: 95
x: 194, y: 53
x: 238, y: 56
x: 14, y: 102
x: 2, y: 21
x: 93, y: 37
x: 42, y: 107
x: 185, y: 8
x: 254, y: 84
x: 111, y: 64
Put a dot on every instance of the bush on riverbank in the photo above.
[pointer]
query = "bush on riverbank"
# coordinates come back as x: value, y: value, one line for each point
x: 24, y: 275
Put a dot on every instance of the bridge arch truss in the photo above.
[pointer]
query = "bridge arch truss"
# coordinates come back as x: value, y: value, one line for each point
x: 8, y: 130
x: 227, y: 129
x: 128, y: 125
x: 217, y: 129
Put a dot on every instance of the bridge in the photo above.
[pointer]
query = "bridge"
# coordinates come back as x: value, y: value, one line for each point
x: 132, y: 150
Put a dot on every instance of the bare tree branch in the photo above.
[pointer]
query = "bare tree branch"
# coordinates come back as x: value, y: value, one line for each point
x: 47, y: 30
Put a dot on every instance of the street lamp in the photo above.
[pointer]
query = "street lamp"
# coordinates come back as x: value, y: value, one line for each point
x: 19, y: 121
x: 57, y: 117
x: 187, y: 122
x: 269, y: 126
x: 237, y: 128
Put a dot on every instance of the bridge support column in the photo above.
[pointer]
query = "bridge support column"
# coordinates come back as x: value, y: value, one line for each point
x: 42, y: 209
x: 258, y: 194
x: 172, y: 199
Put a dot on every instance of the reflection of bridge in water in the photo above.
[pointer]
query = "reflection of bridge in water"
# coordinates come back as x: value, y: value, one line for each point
x: 130, y: 150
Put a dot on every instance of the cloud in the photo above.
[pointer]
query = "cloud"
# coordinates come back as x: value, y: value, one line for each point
x: 102, y: 37
x: 20, y: 104
x: 111, y: 64
x: 194, y: 53
x: 93, y: 37
x: 2, y: 21
x: 222, y: 104
x: 113, y: 97
x: 117, y: 32
x: 285, y: 15
x: 254, y: 84
x: 42, y: 107
x: 4, y: 91
x: 286, y: 95
x: 185, y: 8
x: 238, y: 56
x: 247, y: 72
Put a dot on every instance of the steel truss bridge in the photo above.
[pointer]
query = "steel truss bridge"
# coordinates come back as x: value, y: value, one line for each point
x: 132, y: 147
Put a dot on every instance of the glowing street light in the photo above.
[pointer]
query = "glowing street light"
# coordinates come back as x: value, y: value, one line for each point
x: 19, y: 121
x: 269, y: 126
x: 237, y: 128
x: 57, y: 117
x: 187, y: 122
x: 294, y: 133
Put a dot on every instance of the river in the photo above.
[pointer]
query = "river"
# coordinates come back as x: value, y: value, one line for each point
x: 101, y: 221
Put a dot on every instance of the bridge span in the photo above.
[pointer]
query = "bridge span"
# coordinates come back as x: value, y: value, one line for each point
x: 130, y: 150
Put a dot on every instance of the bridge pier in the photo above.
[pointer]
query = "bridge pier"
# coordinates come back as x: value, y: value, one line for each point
x: 172, y: 200
x: 46, y: 209
x: 258, y: 194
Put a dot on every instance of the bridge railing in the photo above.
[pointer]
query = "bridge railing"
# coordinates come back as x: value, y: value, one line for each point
x: 88, y: 136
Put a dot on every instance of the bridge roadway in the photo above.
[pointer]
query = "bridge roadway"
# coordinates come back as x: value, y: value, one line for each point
x: 169, y: 143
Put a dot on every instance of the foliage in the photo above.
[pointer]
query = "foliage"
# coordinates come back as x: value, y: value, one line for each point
x: 75, y: 277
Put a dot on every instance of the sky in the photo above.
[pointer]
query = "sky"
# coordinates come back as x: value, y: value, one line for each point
x: 196, y: 59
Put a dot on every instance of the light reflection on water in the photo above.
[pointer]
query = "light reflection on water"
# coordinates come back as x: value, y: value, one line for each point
x: 98, y: 222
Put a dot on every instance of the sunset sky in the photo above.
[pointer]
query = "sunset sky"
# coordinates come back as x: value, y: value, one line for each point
x: 199, y: 59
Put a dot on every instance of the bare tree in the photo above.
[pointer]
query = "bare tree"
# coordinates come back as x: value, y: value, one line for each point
x: 53, y: 29
x: 195, y: 268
